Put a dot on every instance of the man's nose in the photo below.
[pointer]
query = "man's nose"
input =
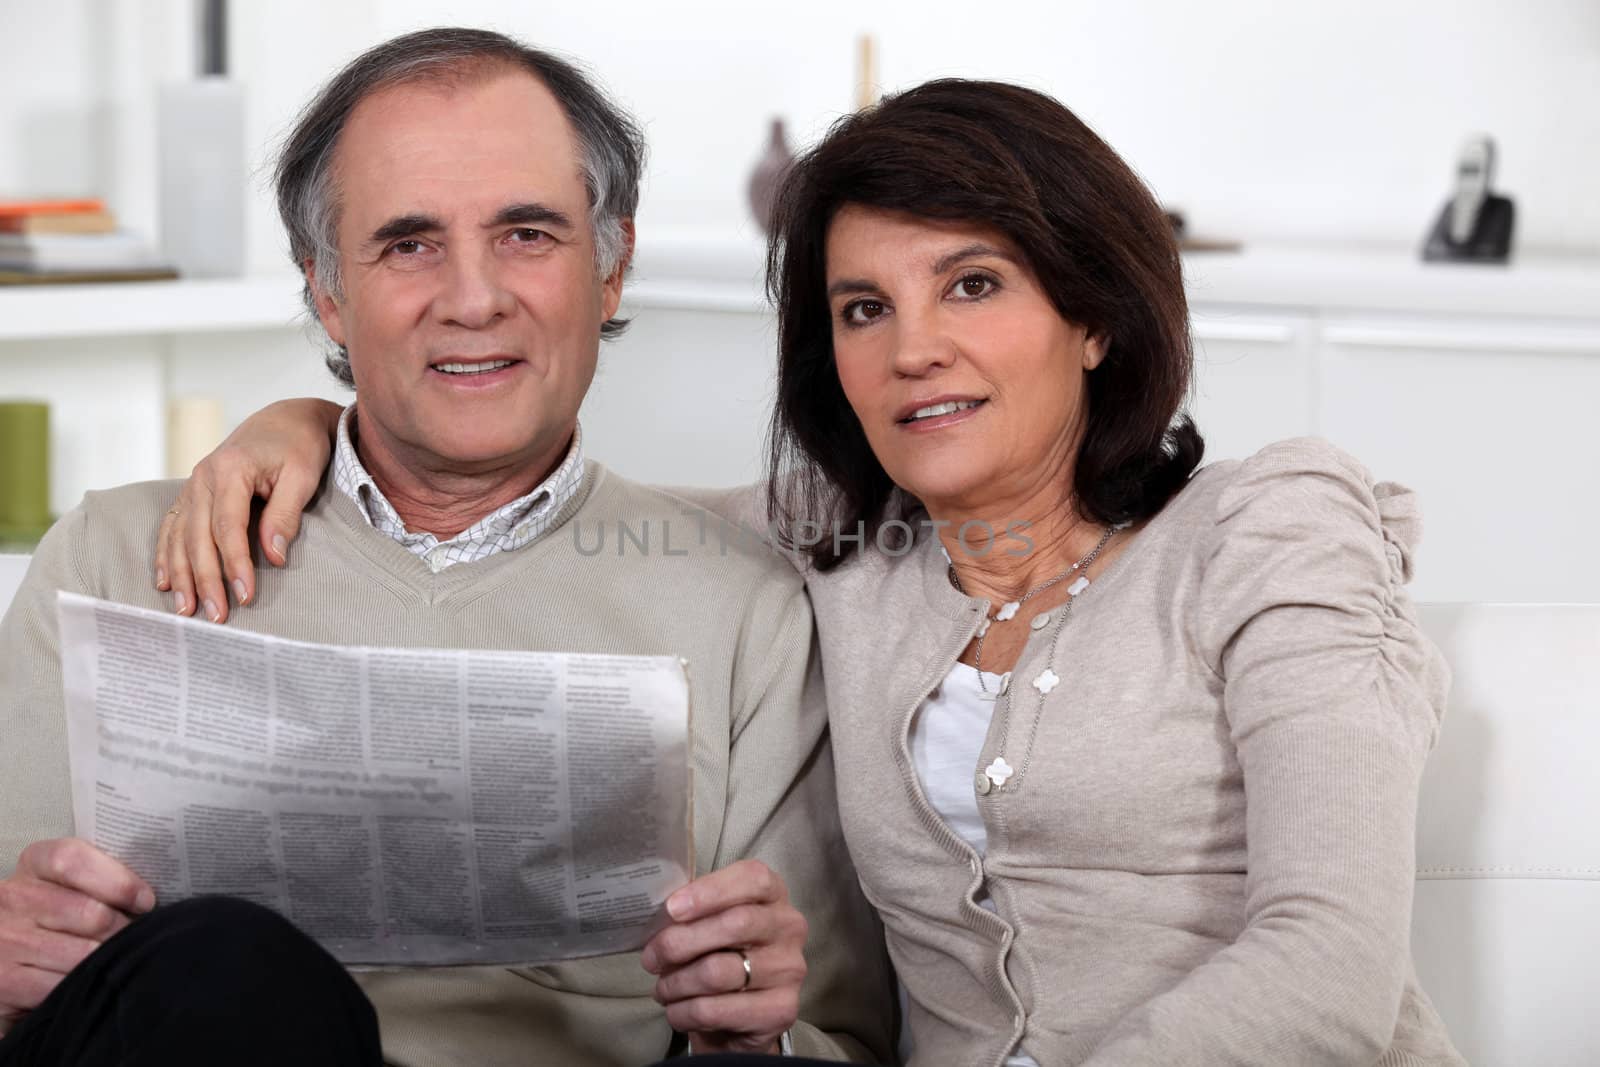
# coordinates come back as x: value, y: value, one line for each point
x: 922, y: 344
x: 474, y: 293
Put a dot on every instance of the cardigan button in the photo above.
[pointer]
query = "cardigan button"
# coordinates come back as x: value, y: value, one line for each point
x: 982, y: 784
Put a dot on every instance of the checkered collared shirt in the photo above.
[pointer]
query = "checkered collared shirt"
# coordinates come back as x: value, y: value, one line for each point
x: 519, y: 523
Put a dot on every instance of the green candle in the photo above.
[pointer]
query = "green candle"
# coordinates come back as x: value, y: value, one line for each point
x: 24, y: 469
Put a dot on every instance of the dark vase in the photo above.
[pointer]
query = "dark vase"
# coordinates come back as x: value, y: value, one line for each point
x: 768, y: 176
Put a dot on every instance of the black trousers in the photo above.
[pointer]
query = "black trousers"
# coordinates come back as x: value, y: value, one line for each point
x: 210, y: 981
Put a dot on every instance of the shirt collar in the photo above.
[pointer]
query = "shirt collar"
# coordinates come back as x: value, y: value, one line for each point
x: 518, y: 523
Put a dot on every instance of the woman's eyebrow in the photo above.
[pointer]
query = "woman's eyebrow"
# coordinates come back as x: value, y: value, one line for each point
x: 848, y: 286
x: 972, y: 251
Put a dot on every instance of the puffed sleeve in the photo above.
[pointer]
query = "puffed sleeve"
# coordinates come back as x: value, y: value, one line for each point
x: 1333, y: 699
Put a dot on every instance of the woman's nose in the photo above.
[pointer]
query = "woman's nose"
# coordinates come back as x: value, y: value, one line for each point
x: 922, y: 345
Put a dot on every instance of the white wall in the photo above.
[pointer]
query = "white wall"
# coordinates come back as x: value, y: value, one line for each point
x: 1239, y: 112
x: 1265, y: 121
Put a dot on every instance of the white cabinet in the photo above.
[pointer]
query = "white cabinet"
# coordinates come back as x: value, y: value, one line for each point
x: 1489, y: 418
x: 1253, y: 378
x: 683, y: 397
x: 1493, y: 423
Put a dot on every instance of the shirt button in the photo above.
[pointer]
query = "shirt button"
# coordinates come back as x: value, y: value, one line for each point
x: 982, y: 784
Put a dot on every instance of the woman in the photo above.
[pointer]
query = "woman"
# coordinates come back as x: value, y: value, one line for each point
x: 1058, y: 658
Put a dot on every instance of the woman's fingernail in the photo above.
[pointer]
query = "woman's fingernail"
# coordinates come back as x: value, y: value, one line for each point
x: 161, y: 578
x: 280, y: 546
x: 180, y: 603
x: 239, y: 590
x: 211, y: 611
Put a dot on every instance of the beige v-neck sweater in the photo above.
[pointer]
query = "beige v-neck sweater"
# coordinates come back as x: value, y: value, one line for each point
x: 1206, y: 853
x: 763, y: 777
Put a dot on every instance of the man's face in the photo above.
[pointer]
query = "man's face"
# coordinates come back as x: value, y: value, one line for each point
x: 471, y: 306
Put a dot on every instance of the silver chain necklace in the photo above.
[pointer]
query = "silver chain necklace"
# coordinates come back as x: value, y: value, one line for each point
x: 1009, y: 609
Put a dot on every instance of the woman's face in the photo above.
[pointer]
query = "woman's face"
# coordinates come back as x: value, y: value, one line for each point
x: 969, y: 384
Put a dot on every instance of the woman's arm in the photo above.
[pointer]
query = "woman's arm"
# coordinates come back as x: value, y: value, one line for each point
x: 1332, y: 698
x: 279, y: 453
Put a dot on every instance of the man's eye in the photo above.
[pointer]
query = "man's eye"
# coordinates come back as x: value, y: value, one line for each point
x: 406, y: 248
x: 861, y: 312
x: 527, y: 236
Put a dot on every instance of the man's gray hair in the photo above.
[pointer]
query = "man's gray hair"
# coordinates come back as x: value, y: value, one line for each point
x: 611, y: 144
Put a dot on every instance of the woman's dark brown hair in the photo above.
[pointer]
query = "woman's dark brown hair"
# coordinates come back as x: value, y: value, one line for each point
x: 1010, y: 158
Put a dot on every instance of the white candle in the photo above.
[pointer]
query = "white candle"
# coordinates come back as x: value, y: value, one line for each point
x: 866, y: 72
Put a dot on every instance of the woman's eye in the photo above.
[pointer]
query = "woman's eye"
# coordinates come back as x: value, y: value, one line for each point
x: 975, y: 286
x: 861, y: 312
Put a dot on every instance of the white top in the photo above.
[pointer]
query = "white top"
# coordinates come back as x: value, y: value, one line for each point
x: 946, y: 737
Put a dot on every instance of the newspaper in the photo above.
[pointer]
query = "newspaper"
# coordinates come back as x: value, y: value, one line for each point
x: 401, y: 806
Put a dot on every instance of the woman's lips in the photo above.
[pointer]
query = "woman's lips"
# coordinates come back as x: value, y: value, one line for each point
x: 964, y: 410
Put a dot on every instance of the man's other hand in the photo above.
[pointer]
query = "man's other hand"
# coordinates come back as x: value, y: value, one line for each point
x: 721, y: 920
x: 63, y: 900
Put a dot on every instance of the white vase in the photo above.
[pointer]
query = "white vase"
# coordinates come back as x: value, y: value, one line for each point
x: 203, y: 179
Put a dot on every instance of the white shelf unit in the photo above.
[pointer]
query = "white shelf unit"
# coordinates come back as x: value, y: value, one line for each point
x: 688, y: 272
x: 1476, y: 386
x: 126, y: 309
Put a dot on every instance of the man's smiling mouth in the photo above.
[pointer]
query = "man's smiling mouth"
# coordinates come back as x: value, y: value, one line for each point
x: 481, y: 367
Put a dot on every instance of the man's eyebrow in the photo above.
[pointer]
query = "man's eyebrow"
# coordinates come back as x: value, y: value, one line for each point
x: 404, y: 226
x: 526, y: 214
x: 972, y: 251
x: 530, y: 214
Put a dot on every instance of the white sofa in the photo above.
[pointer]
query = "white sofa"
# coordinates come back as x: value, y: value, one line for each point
x: 1506, y: 922
x: 1506, y: 925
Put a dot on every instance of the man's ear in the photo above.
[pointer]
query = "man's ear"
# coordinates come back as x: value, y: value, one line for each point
x: 1095, y: 348
x: 611, y: 295
x: 327, y: 307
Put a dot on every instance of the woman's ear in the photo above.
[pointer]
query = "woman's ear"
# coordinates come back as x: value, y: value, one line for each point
x: 327, y: 307
x: 1095, y: 347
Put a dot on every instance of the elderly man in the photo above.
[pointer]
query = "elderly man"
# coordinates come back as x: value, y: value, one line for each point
x: 461, y: 207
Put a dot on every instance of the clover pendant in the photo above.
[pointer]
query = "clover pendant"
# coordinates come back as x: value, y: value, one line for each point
x: 999, y: 771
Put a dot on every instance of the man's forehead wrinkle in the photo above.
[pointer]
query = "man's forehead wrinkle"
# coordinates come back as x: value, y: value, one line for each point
x: 402, y: 154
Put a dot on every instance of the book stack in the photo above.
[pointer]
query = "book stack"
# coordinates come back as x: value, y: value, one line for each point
x: 51, y: 241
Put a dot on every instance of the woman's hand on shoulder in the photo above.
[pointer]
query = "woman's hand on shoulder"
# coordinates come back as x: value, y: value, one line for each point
x: 203, y: 549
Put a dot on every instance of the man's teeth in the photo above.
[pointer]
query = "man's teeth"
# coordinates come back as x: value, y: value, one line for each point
x: 472, y: 368
x: 947, y: 408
